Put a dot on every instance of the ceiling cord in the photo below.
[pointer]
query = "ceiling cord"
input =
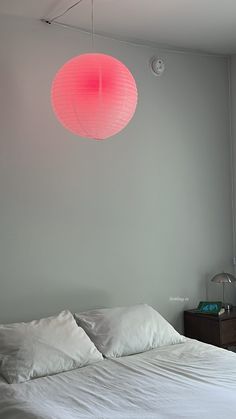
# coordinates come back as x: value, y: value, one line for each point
x: 162, y: 47
x: 63, y: 13
x: 92, y: 22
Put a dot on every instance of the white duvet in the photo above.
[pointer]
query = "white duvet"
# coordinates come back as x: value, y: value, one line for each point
x: 187, y: 380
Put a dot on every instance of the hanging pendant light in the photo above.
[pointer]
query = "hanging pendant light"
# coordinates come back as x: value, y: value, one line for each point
x: 94, y: 95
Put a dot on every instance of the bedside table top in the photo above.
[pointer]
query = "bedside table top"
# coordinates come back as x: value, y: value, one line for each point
x: 226, y: 316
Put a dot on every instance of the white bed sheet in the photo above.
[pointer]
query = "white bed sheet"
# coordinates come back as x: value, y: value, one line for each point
x: 188, y: 380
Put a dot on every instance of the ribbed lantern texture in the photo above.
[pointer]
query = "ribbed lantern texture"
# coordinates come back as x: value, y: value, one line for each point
x: 94, y: 95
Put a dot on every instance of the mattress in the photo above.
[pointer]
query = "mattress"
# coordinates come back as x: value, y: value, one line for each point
x: 187, y: 380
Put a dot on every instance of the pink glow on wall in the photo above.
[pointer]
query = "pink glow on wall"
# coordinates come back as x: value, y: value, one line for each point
x: 94, y: 95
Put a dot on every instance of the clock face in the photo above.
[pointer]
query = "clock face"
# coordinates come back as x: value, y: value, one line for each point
x: 209, y: 307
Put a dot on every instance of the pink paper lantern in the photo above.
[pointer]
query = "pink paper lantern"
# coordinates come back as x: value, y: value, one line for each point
x: 94, y: 96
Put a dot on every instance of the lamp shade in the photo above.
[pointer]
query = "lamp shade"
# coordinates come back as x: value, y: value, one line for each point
x: 223, y: 278
x: 94, y: 95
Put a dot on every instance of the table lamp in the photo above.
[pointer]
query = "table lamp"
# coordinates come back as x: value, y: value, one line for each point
x: 224, y: 278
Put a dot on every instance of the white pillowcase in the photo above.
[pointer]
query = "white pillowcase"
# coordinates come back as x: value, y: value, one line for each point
x: 127, y: 330
x: 43, y: 347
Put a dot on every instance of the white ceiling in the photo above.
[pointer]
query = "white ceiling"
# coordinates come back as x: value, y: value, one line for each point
x: 208, y: 25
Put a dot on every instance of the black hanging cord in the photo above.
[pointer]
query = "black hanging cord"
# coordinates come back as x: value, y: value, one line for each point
x: 62, y: 14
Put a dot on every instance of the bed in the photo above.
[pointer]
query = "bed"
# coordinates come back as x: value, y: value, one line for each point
x: 187, y: 380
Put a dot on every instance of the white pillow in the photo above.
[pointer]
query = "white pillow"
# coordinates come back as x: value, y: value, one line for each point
x: 127, y: 330
x: 44, y: 347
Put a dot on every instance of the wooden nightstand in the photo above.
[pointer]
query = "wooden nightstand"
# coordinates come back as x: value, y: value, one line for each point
x: 209, y: 328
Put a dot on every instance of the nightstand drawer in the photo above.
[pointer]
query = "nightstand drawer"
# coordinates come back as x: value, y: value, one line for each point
x: 228, y: 332
x: 201, y: 328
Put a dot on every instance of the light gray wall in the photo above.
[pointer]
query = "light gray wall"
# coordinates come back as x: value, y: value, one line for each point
x: 233, y: 124
x: 141, y: 217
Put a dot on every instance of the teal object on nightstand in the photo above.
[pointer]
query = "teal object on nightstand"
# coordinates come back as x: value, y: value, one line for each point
x: 209, y: 307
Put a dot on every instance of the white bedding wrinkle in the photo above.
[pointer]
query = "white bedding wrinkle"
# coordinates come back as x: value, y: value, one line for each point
x: 191, y: 380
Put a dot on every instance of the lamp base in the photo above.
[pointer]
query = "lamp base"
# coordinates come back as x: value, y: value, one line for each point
x: 227, y: 306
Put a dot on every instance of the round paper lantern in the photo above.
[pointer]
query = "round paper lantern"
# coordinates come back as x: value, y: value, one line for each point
x: 94, y: 95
